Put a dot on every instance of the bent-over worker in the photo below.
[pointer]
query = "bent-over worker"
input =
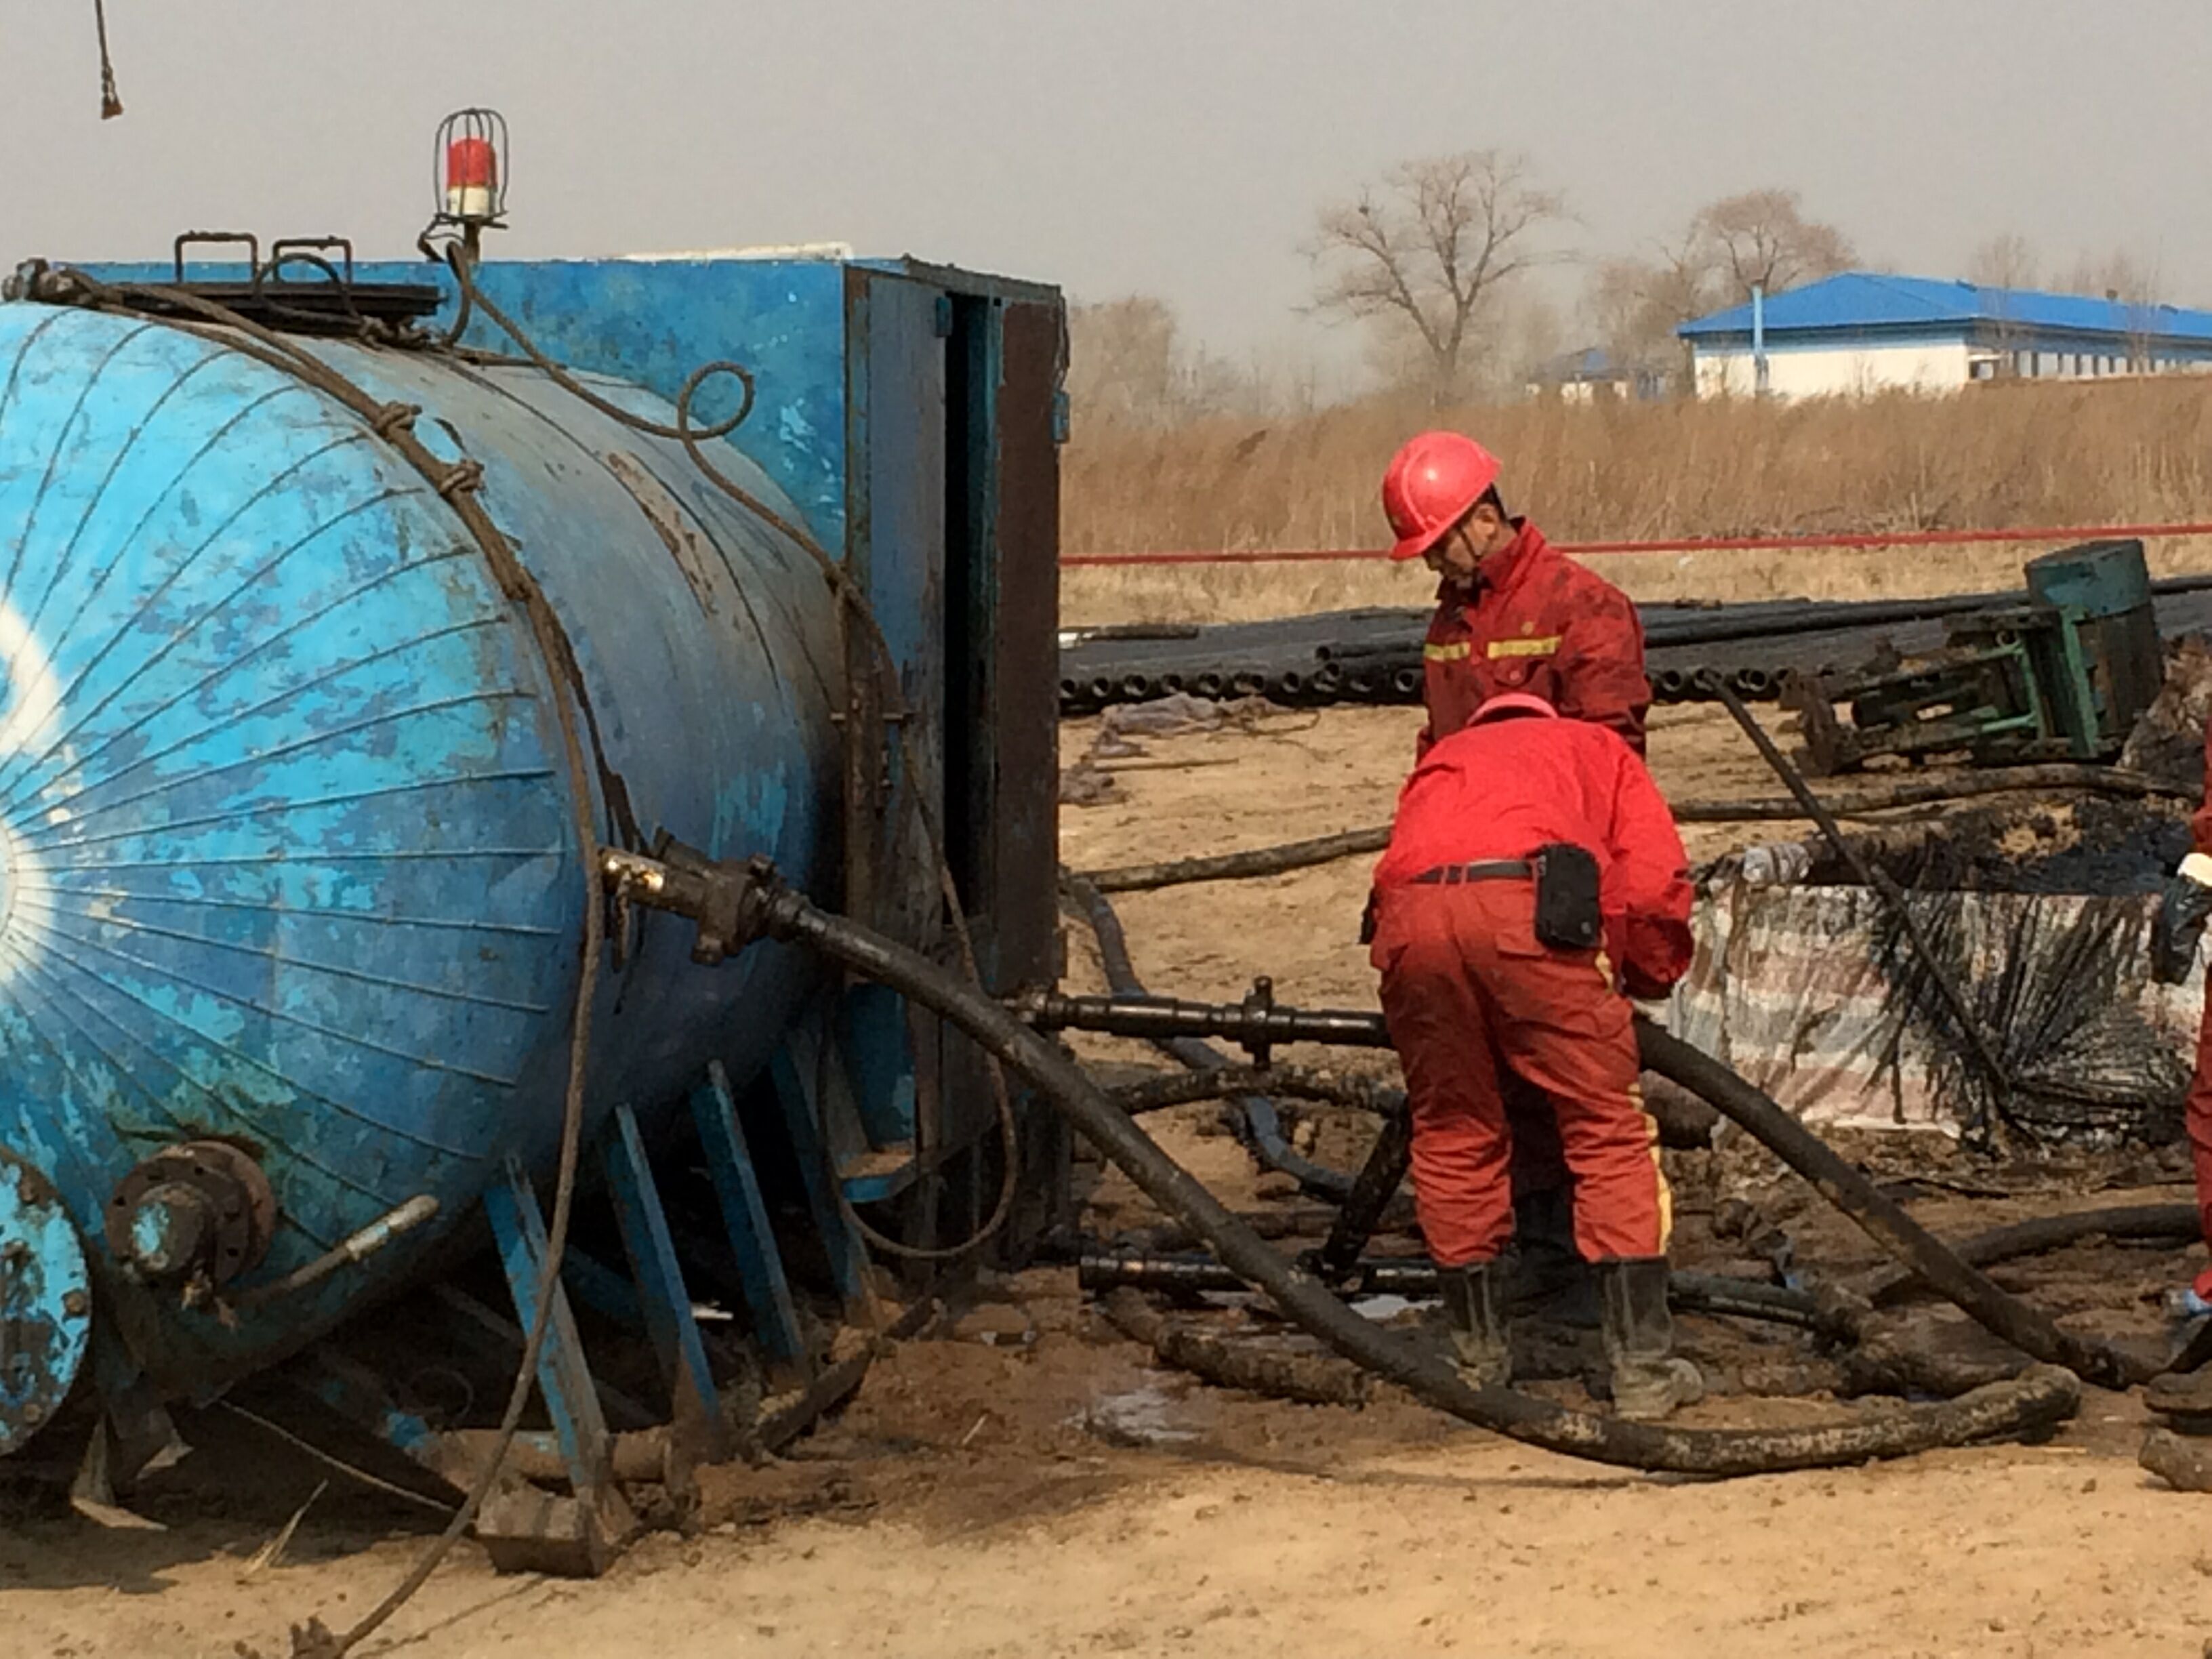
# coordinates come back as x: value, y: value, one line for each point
x: 2179, y: 925
x: 1513, y: 613
x: 1534, y: 876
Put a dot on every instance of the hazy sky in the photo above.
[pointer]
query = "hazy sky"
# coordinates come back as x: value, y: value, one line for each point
x: 1177, y: 147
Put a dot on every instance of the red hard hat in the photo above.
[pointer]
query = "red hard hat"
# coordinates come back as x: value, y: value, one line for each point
x: 1432, y: 484
x: 1514, y: 702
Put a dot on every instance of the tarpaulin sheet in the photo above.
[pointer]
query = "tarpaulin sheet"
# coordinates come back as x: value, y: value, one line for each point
x: 1815, y: 995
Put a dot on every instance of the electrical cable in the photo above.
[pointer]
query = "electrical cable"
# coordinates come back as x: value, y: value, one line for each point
x: 473, y: 298
x: 374, y: 1482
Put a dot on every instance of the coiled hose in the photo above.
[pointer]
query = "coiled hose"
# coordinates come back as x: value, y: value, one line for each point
x: 2041, y: 1396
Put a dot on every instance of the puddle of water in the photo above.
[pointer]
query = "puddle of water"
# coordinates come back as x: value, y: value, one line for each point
x: 1384, y: 1307
x: 1146, y: 1413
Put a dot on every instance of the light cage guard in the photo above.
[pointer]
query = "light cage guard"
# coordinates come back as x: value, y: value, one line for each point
x: 469, y: 168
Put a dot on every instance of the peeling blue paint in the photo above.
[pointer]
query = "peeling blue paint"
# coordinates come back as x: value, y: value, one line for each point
x: 287, y: 842
x: 45, y: 1303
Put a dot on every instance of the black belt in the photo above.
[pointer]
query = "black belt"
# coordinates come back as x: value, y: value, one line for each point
x: 1451, y: 875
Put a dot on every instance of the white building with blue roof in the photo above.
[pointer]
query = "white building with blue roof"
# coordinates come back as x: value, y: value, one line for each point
x: 1863, y: 332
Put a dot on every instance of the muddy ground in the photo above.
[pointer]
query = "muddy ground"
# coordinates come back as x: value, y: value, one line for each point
x: 1024, y: 1484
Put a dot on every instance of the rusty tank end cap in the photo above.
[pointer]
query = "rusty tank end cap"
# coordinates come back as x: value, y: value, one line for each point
x: 45, y: 1302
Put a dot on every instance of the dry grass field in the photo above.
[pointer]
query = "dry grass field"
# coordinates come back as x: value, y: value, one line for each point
x: 1092, y: 595
x: 1995, y: 458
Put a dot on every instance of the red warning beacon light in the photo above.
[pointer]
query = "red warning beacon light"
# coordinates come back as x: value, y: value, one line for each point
x: 472, y: 154
x: 471, y: 178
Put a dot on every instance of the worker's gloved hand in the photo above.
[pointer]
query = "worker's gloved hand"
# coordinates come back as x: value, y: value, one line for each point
x: 2181, y: 918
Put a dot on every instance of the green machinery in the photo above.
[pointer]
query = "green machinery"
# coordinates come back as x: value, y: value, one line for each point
x: 2062, y: 676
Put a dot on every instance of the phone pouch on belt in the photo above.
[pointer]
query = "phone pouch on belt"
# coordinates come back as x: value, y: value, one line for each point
x: 1567, y: 913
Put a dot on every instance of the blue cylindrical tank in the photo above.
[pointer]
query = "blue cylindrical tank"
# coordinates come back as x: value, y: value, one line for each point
x: 287, y: 855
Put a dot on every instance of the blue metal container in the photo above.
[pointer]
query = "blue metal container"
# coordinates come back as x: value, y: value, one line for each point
x: 286, y: 856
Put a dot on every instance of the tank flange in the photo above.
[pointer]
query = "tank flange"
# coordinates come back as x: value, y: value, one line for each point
x: 201, y: 1210
x: 45, y: 1302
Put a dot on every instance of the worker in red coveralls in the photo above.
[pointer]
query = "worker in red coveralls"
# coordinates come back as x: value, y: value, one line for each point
x: 1534, y: 876
x: 2179, y: 925
x: 1515, y: 615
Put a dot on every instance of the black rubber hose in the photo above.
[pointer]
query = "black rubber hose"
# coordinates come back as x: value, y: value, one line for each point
x: 2040, y: 1397
x: 1684, y: 1125
x: 2177, y: 1224
x: 1102, y: 1268
x: 1296, y: 1082
x: 1980, y: 1046
x: 1229, y: 1362
x: 2003, y: 1315
x: 1237, y: 867
x: 1261, y: 1123
x: 1372, y: 1189
x: 1843, y: 803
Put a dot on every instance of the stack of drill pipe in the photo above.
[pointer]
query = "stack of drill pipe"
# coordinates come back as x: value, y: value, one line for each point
x: 1373, y: 655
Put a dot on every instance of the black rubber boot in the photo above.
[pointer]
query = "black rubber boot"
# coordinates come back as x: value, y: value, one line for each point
x: 1474, y: 1317
x: 1648, y: 1380
x: 1548, y: 1279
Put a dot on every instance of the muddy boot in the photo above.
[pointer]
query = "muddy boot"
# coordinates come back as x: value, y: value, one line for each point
x: 1648, y: 1380
x: 1474, y: 1318
x: 1549, y: 1281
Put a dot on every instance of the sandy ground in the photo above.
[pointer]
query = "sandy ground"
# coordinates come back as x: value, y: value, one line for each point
x: 1023, y: 1485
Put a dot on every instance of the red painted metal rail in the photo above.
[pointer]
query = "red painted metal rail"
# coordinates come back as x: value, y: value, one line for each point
x: 1711, y: 544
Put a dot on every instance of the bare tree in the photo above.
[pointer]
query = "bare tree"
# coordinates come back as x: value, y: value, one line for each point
x: 1429, y: 247
x: 2134, y: 289
x: 2004, y: 261
x: 2117, y: 274
x: 1129, y: 366
x: 1635, y: 306
x: 1124, y: 361
x: 1536, y: 338
x: 1616, y: 306
x: 1763, y: 237
x: 2002, y: 266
